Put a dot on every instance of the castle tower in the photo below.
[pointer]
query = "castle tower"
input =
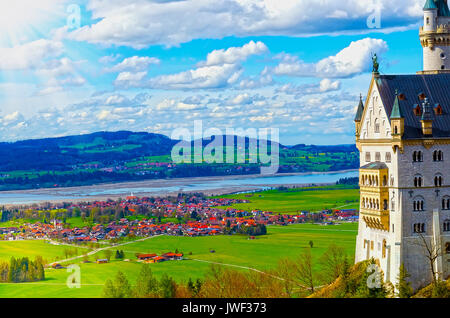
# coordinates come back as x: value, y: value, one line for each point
x: 435, y: 37
x: 403, y: 135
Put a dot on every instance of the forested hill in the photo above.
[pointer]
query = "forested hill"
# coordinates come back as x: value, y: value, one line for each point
x: 103, y: 147
x: 126, y: 156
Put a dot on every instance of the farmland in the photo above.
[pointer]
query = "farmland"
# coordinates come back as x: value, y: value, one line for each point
x: 262, y: 253
x: 297, y: 200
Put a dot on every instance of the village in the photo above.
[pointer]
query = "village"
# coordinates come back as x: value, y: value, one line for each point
x: 193, y: 216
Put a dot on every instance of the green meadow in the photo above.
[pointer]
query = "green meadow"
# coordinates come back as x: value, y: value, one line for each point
x: 235, y: 251
x: 296, y: 200
x: 34, y: 248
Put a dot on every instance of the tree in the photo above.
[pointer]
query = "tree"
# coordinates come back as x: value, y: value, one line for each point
x: 119, y: 254
x: 403, y: 285
x: 332, y: 263
x: 146, y: 285
x: 431, y: 251
x: 167, y: 286
x: 304, y: 270
x: 119, y: 288
x: 107, y: 254
x: 194, y: 288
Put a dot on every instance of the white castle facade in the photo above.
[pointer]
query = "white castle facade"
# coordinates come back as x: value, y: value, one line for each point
x: 403, y: 135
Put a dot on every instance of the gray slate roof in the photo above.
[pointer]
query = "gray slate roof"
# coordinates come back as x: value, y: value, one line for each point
x: 375, y: 166
x: 436, y: 88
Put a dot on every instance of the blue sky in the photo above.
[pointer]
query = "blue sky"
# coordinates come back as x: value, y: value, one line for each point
x: 156, y: 66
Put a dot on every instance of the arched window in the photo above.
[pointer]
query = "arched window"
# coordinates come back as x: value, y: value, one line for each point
x: 377, y: 125
x: 377, y: 156
x: 438, y: 155
x: 438, y: 181
x: 384, y: 248
x: 384, y: 181
x: 385, y: 205
x: 417, y: 156
x: 418, y: 204
x: 418, y: 181
x: 419, y: 227
x: 446, y: 226
x: 447, y: 248
x: 446, y: 203
x: 388, y: 157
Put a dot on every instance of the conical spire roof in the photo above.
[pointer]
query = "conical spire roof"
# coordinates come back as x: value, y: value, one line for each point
x: 396, y: 109
x: 360, y: 110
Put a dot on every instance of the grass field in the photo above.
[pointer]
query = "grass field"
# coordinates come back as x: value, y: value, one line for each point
x: 262, y: 254
x: 31, y: 249
x: 296, y: 200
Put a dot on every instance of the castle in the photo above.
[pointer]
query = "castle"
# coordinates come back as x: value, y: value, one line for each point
x: 403, y: 135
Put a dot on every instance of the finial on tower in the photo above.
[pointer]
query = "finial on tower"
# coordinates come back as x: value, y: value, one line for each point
x: 375, y: 63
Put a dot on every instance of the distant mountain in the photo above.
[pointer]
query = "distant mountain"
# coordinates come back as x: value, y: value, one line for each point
x: 126, y: 156
x: 104, y: 147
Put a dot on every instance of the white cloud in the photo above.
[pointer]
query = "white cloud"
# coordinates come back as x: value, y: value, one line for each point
x: 127, y: 79
x: 139, y: 23
x: 134, y: 64
x: 29, y: 55
x: 220, y: 69
x: 350, y: 61
x: 234, y: 55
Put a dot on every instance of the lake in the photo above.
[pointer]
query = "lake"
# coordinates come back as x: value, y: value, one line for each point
x: 210, y: 185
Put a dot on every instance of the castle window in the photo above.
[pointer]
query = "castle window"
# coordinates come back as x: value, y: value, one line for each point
x: 384, y: 181
x: 438, y: 110
x: 446, y: 203
x: 418, y: 204
x: 385, y: 205
x: 419, y: 228
x: 418, y: 182
x: 438, y: 181
x: 428, y: 20
x: 367, y: 156
x: 377, y: 125
x: 446, y: 226
x: 438, y: 155
x: 447, y: 248
x: 417, y: 110
x: 395, y: 130
x: 388, y: 157
x: 384, y: 248
x: 377, y: 156
x: 417, y: 156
